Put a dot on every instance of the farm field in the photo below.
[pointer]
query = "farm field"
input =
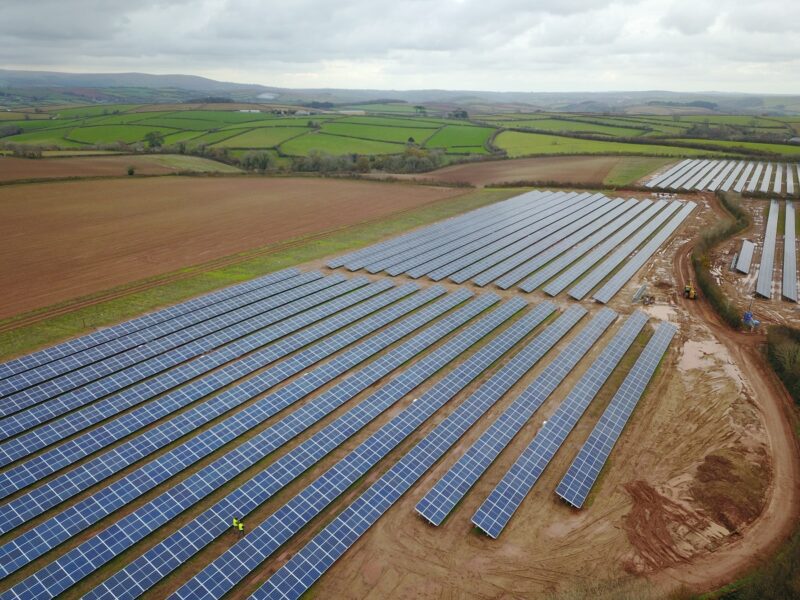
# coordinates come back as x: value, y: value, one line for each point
x: 523, y: 144
x: 13, y: 169
x: 580, y: 170
x: 64, y: 240
x: 559, y: 125
x: 732, y: 477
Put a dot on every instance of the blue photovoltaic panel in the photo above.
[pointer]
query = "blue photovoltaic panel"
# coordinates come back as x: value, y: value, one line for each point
x: 100, y: 437
x: 676, y: 182
x: 739, y: 165
x: 581, y: 475
x: 745, y: 257
x: 756, y: 177
x: 706, y: 181
x: 157, y: 562
x: 554, y: 267
x: 767, y: 179
x: 531, y: 245
x: 692, y: 182
x: 506, y: 497
x: 582, y: 216
x: 569, y: 242
x: 594, y: 277
x: 284, y: 306
x: 628, y: 270
x: 744, y: 178
x: 721, y: 176
x: 114, y: 366
x: 421, y: 264
x: 41, y: 357
x: 358, y: 259
x: 61, y: 573
x: 218, y: 577
x: 597, y: 253
x: 764, y: 282
x: 669, y: 173
x: 418, y: 254
x: 442, y: 498
x: 67, y: 485
x: 123, y: 343
x: 789, y: 289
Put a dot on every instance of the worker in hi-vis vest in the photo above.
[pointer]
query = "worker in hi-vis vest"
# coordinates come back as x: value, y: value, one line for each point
x: 241, y: 527
x: 235, y: 522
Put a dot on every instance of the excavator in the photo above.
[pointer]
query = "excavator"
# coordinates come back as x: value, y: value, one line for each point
x: 689, y: 291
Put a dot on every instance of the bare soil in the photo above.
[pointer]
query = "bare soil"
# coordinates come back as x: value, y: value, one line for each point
x: 68, y: 239
x: 16, y: 169
x: 564, y: 169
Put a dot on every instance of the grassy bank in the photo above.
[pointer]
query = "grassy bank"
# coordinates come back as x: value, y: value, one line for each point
x: 73, y: 323
x: 701, y: 259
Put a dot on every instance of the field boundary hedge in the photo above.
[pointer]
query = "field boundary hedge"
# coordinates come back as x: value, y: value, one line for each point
x: 701, y: 259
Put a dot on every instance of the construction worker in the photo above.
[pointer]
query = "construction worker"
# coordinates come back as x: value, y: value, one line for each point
x: 241, y: 528
x: 235, y: 522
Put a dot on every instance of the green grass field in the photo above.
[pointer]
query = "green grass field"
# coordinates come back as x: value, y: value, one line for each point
x: 782, y: 149
x: 334, y: 144
x: 577, y: 127
x: 531, y: 144
x: 460, y: 138
x: 108, y: 134
x: 262, y: 137
x: 380, y: 133
x: 632, y: 169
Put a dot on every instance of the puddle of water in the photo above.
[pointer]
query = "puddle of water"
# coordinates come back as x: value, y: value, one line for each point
x: 665, y: 312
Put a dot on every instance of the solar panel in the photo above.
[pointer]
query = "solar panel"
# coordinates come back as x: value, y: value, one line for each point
x: 745, y: 257
x: 744, y: 178
x: 766, y: 180
x: 567, y: 242
x: 789, y: 288
x: 129, y: 341
x: 706, y: 180
x: 41, y: 357
x: 358, y: 259
x: 581, y: 475
x: 97, y: 469
x: 583, y: 215
x: 596, y: 255
x: 418, y: 254
x: 756, y: 176
x: 501, y: 245
x: 789, y: 180
x: 674, y: 171
x: 256, y: 546
x: 721, y: 176
x: 739, y: 165
x: 423, y: 263
x: 594, y: 277
x: 675, y: 182
x: 693, y: 182
x: 501, y: 504
x: 131, y: 528
x: 560, y: 263
x: 532, y: 245
x: 289, y: 304
x: 778, y: 185
x: 332, y: 542
x: 448, y: 491
x: 213, y: 523
x: 628, y: 270
x: 764, y: 282
x: 100, y: 437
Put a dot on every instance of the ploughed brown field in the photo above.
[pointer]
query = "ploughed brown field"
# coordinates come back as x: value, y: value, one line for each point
x: 16, y: 169
x: 68, y: 239
x: 567, y: 169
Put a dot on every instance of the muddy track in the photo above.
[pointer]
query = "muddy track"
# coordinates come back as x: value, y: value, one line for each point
x: 781, y: 513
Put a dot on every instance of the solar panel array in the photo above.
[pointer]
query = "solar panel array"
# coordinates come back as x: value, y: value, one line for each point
x: 525, y: 242
x: 764, y: 281
x: 745, y: 257
x: 108, y: 438
x: 584, y: 470
x: 726, y: 175
x: 505, y: 498
x: 789, y: 289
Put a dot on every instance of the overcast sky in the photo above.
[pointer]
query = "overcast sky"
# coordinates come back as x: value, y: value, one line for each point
x: 508, y: 45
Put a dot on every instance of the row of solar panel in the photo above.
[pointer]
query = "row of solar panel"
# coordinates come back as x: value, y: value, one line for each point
x: 545, y: 237
x: 764, y: 281
x: 141, y: 574
x: 725, y: 175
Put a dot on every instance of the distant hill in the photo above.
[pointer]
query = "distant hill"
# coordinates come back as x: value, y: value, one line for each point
x: 26, y: 88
